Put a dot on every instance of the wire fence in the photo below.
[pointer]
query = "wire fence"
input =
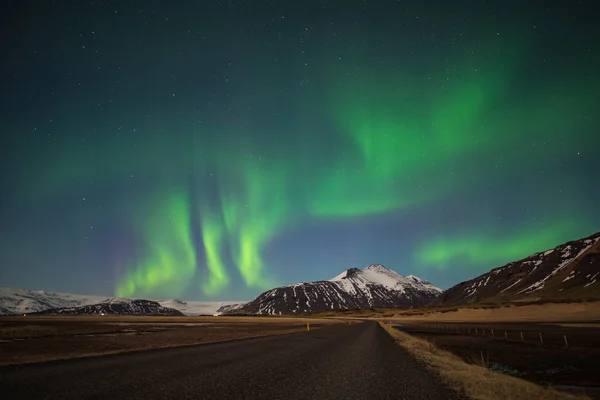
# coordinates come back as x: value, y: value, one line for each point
x: 544, y: 335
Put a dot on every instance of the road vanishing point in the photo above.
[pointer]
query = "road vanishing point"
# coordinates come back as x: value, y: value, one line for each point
x: 358, y: 361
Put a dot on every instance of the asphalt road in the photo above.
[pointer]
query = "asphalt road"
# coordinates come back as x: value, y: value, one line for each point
x: 342, y: 362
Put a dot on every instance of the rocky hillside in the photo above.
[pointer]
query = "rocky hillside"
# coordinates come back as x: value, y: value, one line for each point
x: 567, y: 272
x: 372, y: 287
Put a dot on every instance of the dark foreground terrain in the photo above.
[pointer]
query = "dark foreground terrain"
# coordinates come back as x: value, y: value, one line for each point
x: 341, y: 362
x: 547, y: 360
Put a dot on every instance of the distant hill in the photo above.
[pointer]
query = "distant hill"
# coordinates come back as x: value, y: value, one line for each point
x: 567, y: 272
x: 116, y: 306
x: 372, y: 287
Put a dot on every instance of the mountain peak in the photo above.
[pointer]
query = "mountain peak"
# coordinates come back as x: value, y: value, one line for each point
x: 377, y: 267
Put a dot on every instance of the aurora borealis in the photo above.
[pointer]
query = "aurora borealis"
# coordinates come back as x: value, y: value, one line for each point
x: 215, y: 149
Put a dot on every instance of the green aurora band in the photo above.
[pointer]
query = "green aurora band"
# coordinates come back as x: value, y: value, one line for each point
x: 495, y: 250
x: 254, y: 217
x: 212, y: 238
x: 171, y: 256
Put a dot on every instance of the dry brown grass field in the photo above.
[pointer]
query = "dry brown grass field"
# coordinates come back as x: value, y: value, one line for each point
x: 476, y: 381
x: 563, y: 355
x: 44, y: 338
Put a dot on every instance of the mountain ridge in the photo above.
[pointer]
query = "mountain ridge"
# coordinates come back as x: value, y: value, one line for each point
x: 372, y: 287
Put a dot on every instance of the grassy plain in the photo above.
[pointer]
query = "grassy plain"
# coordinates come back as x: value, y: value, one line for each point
x: 566, y: 312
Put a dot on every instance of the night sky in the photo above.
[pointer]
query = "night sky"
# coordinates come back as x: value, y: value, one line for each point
x: 214, y: 149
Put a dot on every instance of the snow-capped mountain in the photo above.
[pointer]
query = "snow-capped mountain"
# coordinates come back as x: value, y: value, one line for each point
x: 569, y: 271
x: 118, y: 306
x: 372, y: 287
x: 22, y: 301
